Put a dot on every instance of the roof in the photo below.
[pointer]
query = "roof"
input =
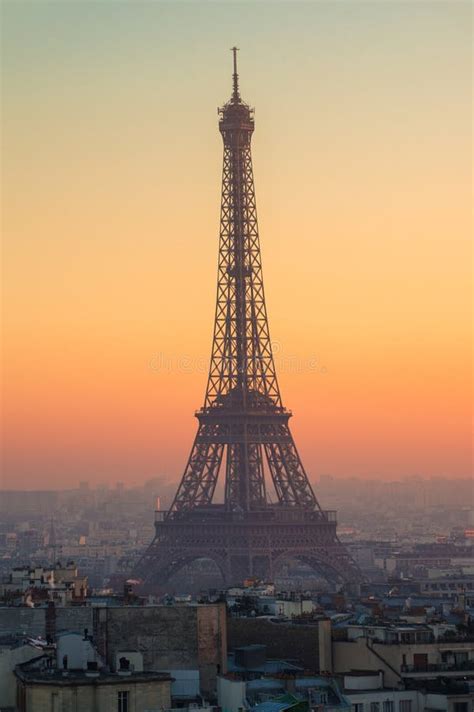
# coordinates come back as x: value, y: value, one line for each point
x: 263, y: 683
x: 12, y: 641
x: 36, y: 672
x: 315, y: 681
x: 266, y: 667
x: 84, y: 677
x: 273, y: 706
x: 284, y: 702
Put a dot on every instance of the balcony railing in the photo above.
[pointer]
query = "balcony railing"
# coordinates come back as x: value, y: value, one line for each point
x: 267, y: 514
x: 439, y: 667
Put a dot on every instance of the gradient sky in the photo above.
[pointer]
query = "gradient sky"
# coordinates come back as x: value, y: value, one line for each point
x: 111, y: 180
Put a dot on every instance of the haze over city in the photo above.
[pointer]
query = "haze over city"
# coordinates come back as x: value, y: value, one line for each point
x: 111, y: 172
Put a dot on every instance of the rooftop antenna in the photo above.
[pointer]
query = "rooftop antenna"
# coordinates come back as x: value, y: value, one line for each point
x: 235, y: 78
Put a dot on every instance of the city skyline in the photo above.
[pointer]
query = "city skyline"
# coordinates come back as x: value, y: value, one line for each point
x: 111, y: 214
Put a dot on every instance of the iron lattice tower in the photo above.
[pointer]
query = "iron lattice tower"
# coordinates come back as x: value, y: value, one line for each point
x: 243, y: 425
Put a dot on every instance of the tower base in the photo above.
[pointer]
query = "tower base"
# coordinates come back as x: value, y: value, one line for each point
x: 246, y: 544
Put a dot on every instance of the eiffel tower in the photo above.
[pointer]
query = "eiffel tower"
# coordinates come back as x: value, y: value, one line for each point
x: 243, y: 425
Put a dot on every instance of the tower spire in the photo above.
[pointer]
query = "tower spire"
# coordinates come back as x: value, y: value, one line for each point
x: 235, y: 78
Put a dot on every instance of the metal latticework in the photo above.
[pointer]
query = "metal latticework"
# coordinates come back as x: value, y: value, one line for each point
x: 243, y: 413
x: 243, y: 426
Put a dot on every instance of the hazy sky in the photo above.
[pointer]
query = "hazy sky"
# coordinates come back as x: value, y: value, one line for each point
x: 111, y: 180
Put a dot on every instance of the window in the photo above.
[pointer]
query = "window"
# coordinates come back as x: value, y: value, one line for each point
x: 461, y: 658
x: 388, y: 706
x: 123, y: 699
x: 460, y: 707
x: 405, y: 706
x: 375, y: 707
x: 420, y: 661
x: 357, y: 707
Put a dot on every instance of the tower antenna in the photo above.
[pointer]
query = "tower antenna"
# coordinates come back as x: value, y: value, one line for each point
x: 235, y: 78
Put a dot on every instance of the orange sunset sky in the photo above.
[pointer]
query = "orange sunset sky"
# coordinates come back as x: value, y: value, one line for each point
x: 111, y: 180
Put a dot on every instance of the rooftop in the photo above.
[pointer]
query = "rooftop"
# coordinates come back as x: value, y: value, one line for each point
x: 37, y: 672
x: 266, y: 667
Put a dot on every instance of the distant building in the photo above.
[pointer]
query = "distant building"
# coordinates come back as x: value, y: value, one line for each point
x: 404, y: 653
x: 254, y: 682
x: 13, y: 651
x: 365, y: 691
x: 45, y: 685
x: 307, y: 641
x: 188, y: 637
x: 449, y: 586
x: 37, y: 585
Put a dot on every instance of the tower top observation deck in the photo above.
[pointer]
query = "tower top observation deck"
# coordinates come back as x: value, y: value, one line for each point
x: 236, y: 114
